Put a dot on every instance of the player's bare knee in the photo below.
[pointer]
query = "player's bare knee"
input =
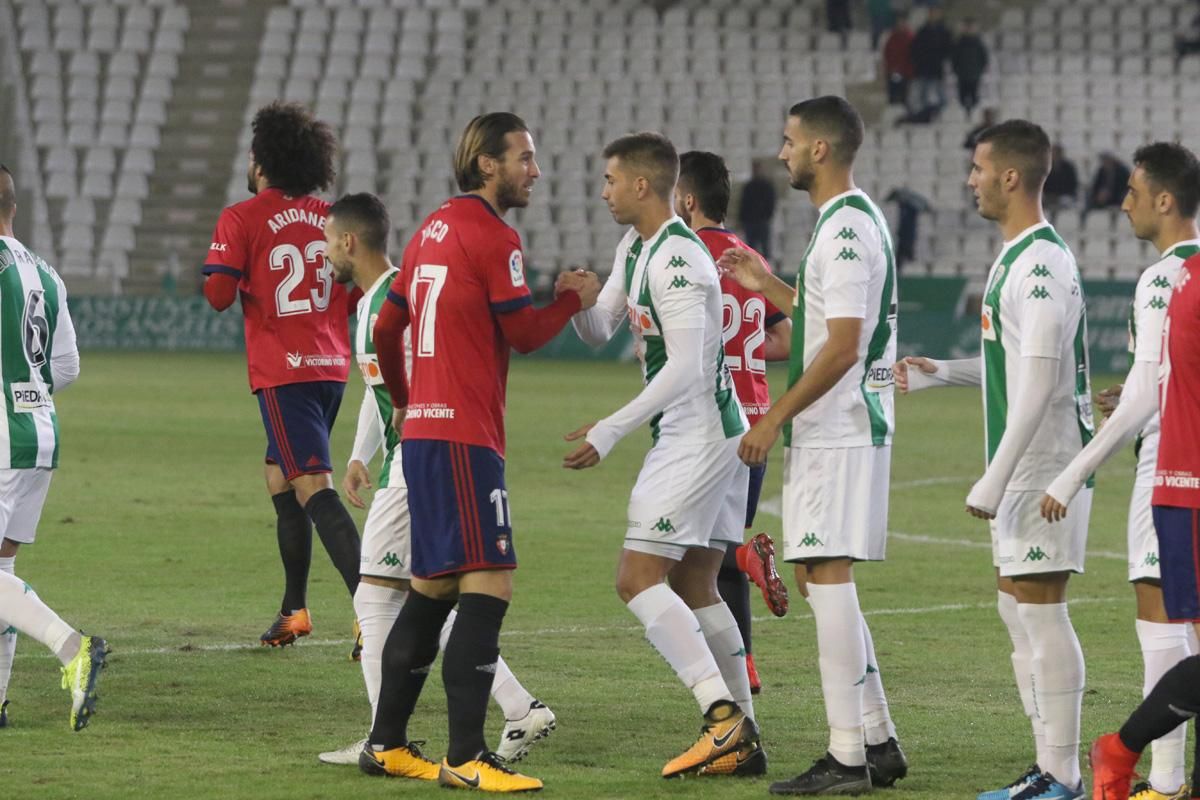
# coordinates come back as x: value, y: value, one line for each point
x: 276, y: 482
x: 8, y: 548
x: 830, y: 571
x: 493, y: 582
x: 1049, y: 587
x: 399, y: 584
x: 308, y: 485
x: 801, y: 574
x: 1150, y: 606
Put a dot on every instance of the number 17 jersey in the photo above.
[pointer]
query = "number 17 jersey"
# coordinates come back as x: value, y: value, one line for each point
x: 460, y: 271
x: 297, y: 328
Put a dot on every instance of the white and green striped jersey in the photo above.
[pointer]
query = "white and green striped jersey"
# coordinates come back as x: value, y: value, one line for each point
x: 1147, y: 314
x: 669, y: 282
x: 377, y: 394
x: 848, y: 271
x: 36, y: 337
x: 1034, y: 307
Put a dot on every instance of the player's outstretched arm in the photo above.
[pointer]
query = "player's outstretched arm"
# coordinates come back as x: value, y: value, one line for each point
x: 747, y: 269
x: 914, y: 373
x: 835, y: 358
x: 1037, y: 379
x: 1136, y: 409
x: 527, y: 328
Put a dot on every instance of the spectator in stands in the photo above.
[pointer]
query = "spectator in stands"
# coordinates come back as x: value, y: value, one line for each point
x: 756, y: 208
x: 989, y: 119
x: 837, y: 14
x: 1109, y: 184
x: 931, y: 49
x: 970, y: 60
x: 911, y: 206
x: 882, y: 17
x: 897, y: 61
x: 1062, y: 184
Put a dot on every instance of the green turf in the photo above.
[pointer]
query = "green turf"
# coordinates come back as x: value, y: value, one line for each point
x: 159, y: 535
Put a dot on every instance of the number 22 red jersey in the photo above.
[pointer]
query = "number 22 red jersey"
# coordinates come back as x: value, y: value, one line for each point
x: 296, y: 315
x: 745, y: 319
x: 461, y: 269
x: 1177, y: 478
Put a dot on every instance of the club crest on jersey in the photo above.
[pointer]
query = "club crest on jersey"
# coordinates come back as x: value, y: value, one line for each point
x: 516, y: 268
x: 987, y: 324
x: 502, y: 544
x: 642, y: 321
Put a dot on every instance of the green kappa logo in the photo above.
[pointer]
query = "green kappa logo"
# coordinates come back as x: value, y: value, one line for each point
x: 679, y: 282
x: 848, y: 234
x: 810, y: 540
x: 663, y: 526
x: 1160, y: 283
x: 1151, y: 560
x: 391, y: 560
x: 9, y: 630
x: 677, y: 261
x: 1036, y: 554
x: 1039, y: 293
x: 1040, y: 271
x: 1157, y: 303
x: 848, y: 254
x: 863, y: 679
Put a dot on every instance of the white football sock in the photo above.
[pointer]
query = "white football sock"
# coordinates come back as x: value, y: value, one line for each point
x: 1163, y: 646
x: 877, y: 722
x: 8, y: 639
x: 843, y: 660
x: 508, y: 692
x: 675, y: 632
x: 28, y: 614
x: 1022, y: 662
x: 724, y: 639
x: 376, y: 608
x: 1058, y: 680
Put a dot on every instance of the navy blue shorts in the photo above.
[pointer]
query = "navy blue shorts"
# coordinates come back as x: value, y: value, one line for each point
x: 1178, y: 532
x: 298, y: 418
x: 757, y: 474
x: 459, y: 508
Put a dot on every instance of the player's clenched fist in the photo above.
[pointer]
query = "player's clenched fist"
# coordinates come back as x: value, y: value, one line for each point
x: 581, y: 281
x: 758, y: 442
x: 901, y: 367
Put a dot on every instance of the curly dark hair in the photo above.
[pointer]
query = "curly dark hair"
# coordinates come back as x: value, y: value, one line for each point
x: 294, y: 150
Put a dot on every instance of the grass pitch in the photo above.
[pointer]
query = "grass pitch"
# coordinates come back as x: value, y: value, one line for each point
x: 159, y: 535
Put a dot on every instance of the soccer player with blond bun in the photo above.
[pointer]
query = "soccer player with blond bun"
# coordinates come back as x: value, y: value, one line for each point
x: 753, y: 332
x: 38, y: 359
x: 270, y: 251
x: 837, y: 420
x: 1037, y: 418
x: 462, y: 289
x: 1161, y: 203
x: 689, y: 501
x: 356, y: 235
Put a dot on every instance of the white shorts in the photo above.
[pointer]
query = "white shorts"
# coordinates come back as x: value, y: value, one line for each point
x: 688, y: 496
x: 386, y: 542
x: 835, y: 502
x: 1023, y: 543
x: 1143, y: 540
x: 22, y: 495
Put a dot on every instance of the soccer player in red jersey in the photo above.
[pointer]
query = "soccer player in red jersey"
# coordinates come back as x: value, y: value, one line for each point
x: 1176, y: 501
x: 753, y: 332
x: 462, y: 287
x: 270, y: 249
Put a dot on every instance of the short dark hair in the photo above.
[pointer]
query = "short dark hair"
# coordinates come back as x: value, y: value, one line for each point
x: 483, y: 136
x: 650, y: 153
x: 705, y: 176
x: 1021, y: 145
x: 366, y: 216
x: 835, y: 120
x: 1172, y: 168
x: 8, y: 199
x: 295, y: 150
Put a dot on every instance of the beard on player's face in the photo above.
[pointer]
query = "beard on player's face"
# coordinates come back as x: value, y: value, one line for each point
x: 510, y: 193
x: 252, y: 177
x: 801, y: 177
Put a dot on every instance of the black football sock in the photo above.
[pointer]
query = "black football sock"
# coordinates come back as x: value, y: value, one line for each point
x: 1174, y: 699
x: 294, y: 532
x: 734, y: 588
x: 408, y: 654
x: 468, y: 670
x: 338, y: 533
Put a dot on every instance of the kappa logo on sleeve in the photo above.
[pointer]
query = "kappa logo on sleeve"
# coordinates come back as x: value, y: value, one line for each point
x: 516, y: 268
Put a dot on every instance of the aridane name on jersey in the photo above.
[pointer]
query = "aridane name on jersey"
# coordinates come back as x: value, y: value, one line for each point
x: 860, y: 410
x: 30, y: 294
x: 647, y: 327
x: 368, y: 364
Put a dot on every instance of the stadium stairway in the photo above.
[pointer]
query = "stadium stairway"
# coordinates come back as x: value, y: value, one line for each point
x: 204, y: 118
